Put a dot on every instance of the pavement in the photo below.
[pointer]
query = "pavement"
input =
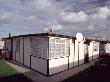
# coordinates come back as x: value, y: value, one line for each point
x: 19, y: 68
x: 37, y: 77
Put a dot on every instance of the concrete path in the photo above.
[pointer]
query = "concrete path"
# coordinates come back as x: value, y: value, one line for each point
x: 20, y: 69
x: 37, y: 77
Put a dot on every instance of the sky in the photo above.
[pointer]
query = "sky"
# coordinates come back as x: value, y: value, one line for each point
x: 90, y: 17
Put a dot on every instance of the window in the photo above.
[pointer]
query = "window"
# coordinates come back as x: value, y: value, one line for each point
x: 8, y: 45
x: 39, y: 47
x: 58, y: 48
x: 36, y: 46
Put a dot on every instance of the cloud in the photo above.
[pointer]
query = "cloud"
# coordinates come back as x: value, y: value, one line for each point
x: 90, y: 17
x: 71, y: 17
x: 5, y: 18
x: 56, y: 28
x: 102, y: 13
x: 79, y: 17
x: 91, y: 27
x: 42, y: 5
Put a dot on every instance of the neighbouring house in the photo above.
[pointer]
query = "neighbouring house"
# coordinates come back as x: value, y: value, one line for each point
x: 1, y: 48
x: 50, y: 53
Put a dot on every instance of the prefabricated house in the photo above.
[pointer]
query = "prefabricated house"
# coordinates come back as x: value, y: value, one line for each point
x: 103, y: 48
x: 44, y: 52
x: 93, y: 50
x: 1, y: 48
x: 1, y: 44
x: 107, y: 48
x: 50, y: 53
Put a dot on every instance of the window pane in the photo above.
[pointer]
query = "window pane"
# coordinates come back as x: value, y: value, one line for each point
x: 58, y: 48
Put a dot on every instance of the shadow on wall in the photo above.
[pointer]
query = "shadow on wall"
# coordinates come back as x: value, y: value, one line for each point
x: 100, y: 72
x: 15, y: 78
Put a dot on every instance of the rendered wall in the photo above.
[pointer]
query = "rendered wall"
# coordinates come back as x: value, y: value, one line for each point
x: 79, y: 53
x: 86, y: 54
x: 27, y: 51
x: 72, y: 54
x: 96, y: 53
x: 92, y: 53
x: 86, y: 49
x: 14, y: 49
x: 39, y: 64
x: 1, y: 44
x: 107, y: 47
x: 17, y: 51
x: 76, y: 54
x: 102, y: 49
x: 21, y: 49
x: 58, y: 65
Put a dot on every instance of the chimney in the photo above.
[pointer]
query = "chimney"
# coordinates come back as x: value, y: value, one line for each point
x: 9, y: 34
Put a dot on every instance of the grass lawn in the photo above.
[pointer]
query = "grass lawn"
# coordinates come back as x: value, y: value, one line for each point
x: 6, y: 70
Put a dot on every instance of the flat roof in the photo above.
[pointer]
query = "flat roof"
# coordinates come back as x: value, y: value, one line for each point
x: 57, y: 35
x: 42, y: 34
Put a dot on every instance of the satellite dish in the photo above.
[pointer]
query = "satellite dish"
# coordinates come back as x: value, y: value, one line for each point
x: 79, y: 37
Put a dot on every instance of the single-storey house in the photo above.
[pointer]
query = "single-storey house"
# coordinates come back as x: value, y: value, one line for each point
x: 1, y: 48
x: 50, y: 53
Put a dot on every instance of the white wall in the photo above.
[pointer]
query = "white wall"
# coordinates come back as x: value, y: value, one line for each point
x: 96, y: 53
x: 71, y: 57
x: 86, y: 53
x: 85, y: 49
x: 21, y: 50
x: 17, y: 53
x: 18, y: 56
x: 90, y: 51
x: 1, y: 44
x: 58, y: 65
x: 76, y: 54
x: 81, y: 53
x: 93, y: 54
x: 107, y: 47
x: 39, y: 65
x: 27, y: 51
x: 14, y: 49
